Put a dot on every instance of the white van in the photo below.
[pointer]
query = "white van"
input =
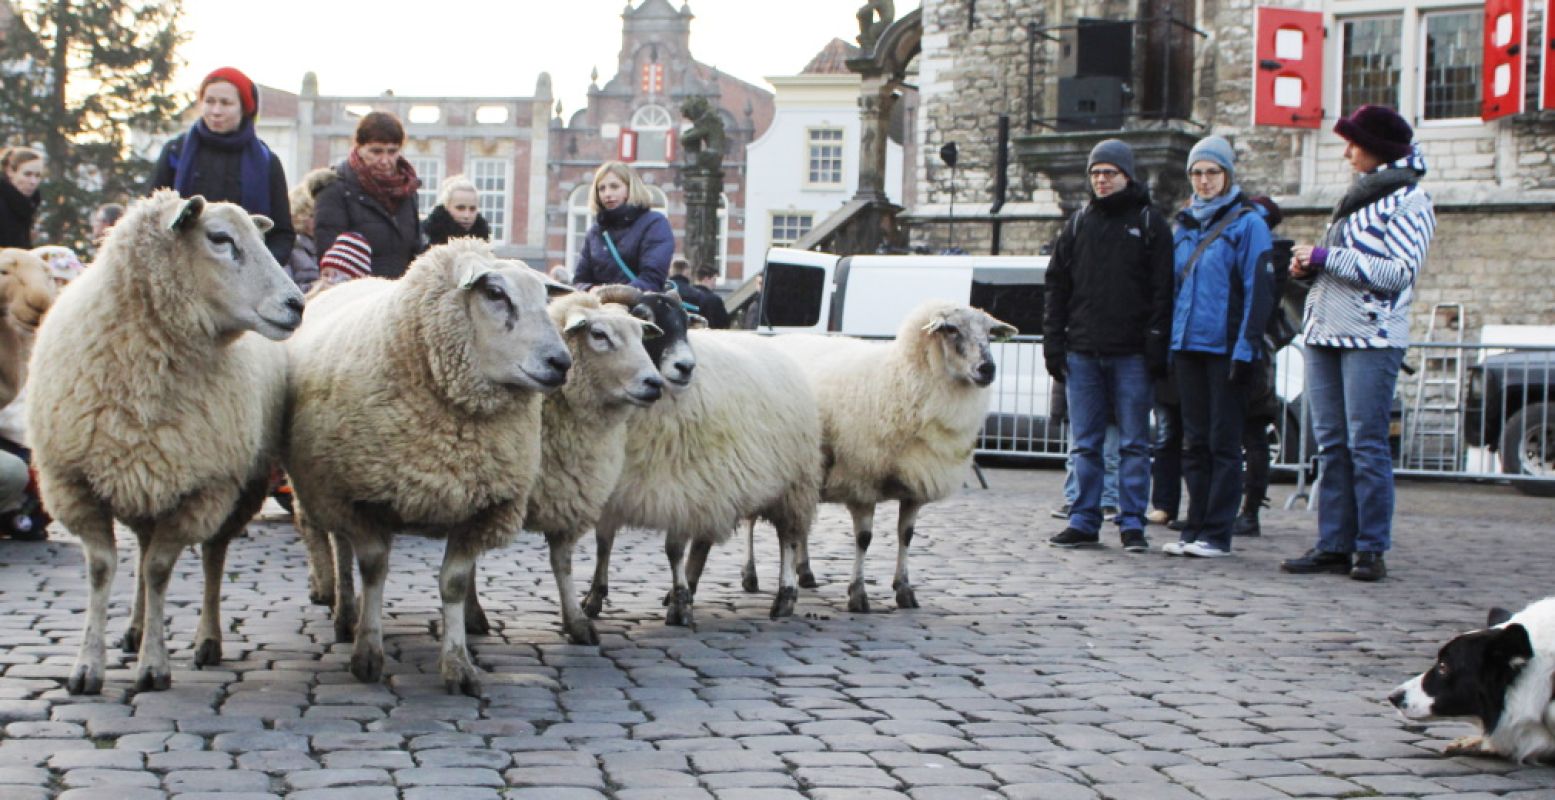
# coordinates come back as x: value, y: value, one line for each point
x: 868, y: 295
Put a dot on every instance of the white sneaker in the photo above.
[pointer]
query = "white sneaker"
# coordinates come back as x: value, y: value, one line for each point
x: 1204, y: 550
x: 1174, y: 548
x: 1060, y: 512
x: 1156, y: 516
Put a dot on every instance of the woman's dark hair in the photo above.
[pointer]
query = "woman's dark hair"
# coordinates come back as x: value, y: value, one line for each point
x: 380, y: 126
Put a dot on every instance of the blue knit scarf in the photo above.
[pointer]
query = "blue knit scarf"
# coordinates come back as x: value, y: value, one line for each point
x: 1205, y: 210
x: 253, y: 172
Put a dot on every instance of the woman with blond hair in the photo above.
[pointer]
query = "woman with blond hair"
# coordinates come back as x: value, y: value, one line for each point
x: 457, y: 213
x: 629, y: 242
x: 21, y: 170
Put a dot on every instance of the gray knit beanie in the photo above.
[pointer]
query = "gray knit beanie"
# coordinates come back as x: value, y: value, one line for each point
x: 1114, y: 152
x: 1216, y: 150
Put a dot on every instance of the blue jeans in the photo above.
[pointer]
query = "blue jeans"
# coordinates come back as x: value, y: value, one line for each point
x: 1213, y: 414
x: 1351, y: 392
x: 1109, y: 457
x: 1103, y: 388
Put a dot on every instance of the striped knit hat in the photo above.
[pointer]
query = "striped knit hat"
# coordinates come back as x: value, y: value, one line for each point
x: 350, y: 254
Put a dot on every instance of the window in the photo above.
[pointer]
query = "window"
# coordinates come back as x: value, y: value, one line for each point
x: 791, y: 295
x: 493, y: 181
x: 652, y: 124
x: 424, y: 115
x: 491, y: 115
x: 825, y: 156
x: 790, y: 227
x: 1453, y: 47
x: 1370, y: 64
x: 430, y: 170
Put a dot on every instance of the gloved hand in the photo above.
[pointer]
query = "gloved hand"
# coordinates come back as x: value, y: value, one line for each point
x: 1057, y: 364
x: 1241, y: 373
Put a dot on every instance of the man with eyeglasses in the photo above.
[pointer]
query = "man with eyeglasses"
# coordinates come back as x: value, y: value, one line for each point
x: 1106, y: 334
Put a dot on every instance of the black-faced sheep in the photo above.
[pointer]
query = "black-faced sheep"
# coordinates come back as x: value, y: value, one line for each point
x: 151, y: 404
x: 899, y: 422
x: 741, y: 439
x: 415, y: 407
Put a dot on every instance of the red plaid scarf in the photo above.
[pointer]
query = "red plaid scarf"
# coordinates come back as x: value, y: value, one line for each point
x: 390, y: 189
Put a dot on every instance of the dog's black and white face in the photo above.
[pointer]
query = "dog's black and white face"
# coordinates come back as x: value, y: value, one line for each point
x: 1471, y: 677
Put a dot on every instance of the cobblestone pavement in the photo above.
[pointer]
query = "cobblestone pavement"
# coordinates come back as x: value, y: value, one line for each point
x: 1028, y: 673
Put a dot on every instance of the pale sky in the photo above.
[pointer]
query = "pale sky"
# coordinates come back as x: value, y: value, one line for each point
x: 489, y: 47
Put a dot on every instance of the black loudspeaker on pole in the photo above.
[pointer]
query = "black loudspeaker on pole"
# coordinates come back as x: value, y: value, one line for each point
x: 949, y: 153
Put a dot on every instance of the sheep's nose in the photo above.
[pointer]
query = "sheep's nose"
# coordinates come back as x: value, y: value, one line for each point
x: 561, y: 362
x: 1397, y: 699
x: 684, y: 368
x: 986, y: 370
x: 654, y: 382
x: 294, y: 304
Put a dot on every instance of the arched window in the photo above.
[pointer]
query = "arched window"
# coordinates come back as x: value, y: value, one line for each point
x: 579, y: 218
x: 654, y: 126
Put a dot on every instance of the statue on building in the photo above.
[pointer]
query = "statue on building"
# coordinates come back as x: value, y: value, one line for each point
x: 703, y: 143
x: 873, y: 18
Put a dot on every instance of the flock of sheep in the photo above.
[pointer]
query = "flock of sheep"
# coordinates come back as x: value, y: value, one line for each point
x: 468, y: 401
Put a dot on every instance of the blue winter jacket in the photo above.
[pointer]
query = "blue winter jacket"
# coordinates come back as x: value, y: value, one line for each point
x: 1223, y: 305
x: 644, y: 240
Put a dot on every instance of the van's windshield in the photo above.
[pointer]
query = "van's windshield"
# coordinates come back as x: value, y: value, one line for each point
x: 1013, y: 295
x: 791, y: 295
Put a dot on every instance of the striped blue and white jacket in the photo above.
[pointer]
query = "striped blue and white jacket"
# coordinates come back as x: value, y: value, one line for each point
x: 1361, y: 296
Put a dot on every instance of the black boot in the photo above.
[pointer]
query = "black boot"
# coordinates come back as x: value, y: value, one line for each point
x: 1317, y: 560
x: 1369, y: 567
x: 1246, y: 523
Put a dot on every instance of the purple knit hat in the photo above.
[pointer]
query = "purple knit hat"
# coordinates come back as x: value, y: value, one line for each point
x: 1378, y: 130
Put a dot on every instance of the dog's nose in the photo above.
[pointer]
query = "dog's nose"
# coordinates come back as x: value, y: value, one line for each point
x: 1397, y: 698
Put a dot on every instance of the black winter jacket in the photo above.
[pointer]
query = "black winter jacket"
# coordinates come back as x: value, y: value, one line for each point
x: 1109, y: 281
x: 216, y: 179
x: 344, y: 206
x: 707, y: 302
x: 439, y: 227
x: 17, y: 213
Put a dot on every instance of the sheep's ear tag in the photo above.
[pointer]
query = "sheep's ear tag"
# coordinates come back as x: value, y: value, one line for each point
x: 575, y: 320
x: 554, y: 289
x: 695, y: 321
x: 262, y: 222
x: 651, y: 331
x: 188, y: 213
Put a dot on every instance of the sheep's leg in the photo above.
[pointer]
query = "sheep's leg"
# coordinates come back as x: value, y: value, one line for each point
x: 696, y: 561
x: 906, y: 518
x: 679, y: 612
x: 345, y: 588
x: 95, y: 528
x: 748, y: 580
x: 372, y: 558
x: 155, y: 672
x: 599, y: 588
x: 806, y: 577
x: 207, y: 637
x: 475, y: 622
x: 130, y: 642
x: 863, y: 531
x: 788, y: 575
x: 577, y: 625
x: 321, y: 558
x: 459, y: 674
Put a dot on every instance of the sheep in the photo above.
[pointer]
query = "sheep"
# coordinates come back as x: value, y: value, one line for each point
x: 742, y: 439
x: 26, y: 292
x: 156, y: 398
x: 415, y: 406
x: 899, y: 421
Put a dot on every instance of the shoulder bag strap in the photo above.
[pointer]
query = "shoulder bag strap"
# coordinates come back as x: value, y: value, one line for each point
x: 1209, y: 238
x: 616, y: 254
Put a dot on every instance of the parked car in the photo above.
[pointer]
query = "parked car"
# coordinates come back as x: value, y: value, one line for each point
x: 1511, y: 411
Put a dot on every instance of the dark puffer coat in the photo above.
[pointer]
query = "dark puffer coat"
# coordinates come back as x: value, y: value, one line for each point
x: 344, y: 206
x: 216, y: 178
x: 17, y: 213
x: 439, y: 227
x: 642, y: 237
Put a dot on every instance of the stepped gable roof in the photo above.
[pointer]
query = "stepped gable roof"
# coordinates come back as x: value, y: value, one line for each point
x: 832, y: 60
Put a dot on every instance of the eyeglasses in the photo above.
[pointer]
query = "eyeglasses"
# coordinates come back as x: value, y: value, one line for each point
x: 1108, y: 174
x: 1198, y: 174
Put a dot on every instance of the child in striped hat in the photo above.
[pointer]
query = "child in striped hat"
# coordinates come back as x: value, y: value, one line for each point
x: 350, y: 257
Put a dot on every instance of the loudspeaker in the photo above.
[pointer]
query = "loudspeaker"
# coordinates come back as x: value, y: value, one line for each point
x: 1098, y: 48
x: 1091, y: 104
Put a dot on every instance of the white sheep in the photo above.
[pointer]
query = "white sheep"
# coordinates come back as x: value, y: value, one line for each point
x: 740, y: 439
x: 151, y: 404
x: 899, y: 422
x: 26, y: 292
x: 415, y: 407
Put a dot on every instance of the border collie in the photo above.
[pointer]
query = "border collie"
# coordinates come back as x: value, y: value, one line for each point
x: 1501, y: 677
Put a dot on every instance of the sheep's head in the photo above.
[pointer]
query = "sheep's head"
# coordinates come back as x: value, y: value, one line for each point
x: 226, y: 263
x: 671, y: 351
x: 512, y: 341
x: 607, y: 347
x: 26, y: 290
x: 958, y: 339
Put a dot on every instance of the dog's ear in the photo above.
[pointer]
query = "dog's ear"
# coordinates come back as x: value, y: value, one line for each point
x: 1497, y: 616
x: 1510, y: 647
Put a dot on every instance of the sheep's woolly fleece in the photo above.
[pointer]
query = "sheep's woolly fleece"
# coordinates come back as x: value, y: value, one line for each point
x: 26, y: 292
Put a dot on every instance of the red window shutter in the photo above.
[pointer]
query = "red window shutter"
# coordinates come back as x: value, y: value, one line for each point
x: 669, y: 145
x: 1288, y: 68
x: 1506, y: 32
x: 626, y: 147
x: 1547, y: 88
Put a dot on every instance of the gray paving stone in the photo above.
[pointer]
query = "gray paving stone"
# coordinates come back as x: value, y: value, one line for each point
x: 113, y: 793
x: 347, y: 793
x: 584, y: 776
x: 325, y: 778
x: 23, y: 776
x: 448, y: 776
x: 216, y: 780
x: 554, y: 793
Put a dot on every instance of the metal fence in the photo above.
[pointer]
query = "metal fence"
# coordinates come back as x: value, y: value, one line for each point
x: 1460, y: 411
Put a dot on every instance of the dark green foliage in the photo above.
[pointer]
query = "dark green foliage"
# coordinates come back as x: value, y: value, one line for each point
x: 79, y: 76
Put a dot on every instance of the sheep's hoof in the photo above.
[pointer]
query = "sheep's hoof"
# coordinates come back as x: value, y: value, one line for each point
x: 581, y: 631
x: 460, y: 676
x: 679, y: 613
x: 858, y: 600
x: 207, y: 653
x: 806, y: 577
x: 783, y: 604
x: 475, y: 622
x: 130, y: 641
x: 85, y: 679
x: 594, y: 602
x: 321, y: 597
x: 748, y: 580
x: 367, y: 665
x: 152, y: 679
x: 905, y: 597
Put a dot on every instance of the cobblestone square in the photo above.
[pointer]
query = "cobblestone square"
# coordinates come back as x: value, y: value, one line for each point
x: 1029, y: 672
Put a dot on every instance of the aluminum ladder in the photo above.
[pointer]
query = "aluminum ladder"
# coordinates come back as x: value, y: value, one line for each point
x: 1433, y: 430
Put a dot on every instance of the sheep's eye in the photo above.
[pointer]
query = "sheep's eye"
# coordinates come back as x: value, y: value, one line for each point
x: 951, y: 331
x: 1441, y: 668
x: 600, y: 336
x: 494, y: 294
x: 219, y: 238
